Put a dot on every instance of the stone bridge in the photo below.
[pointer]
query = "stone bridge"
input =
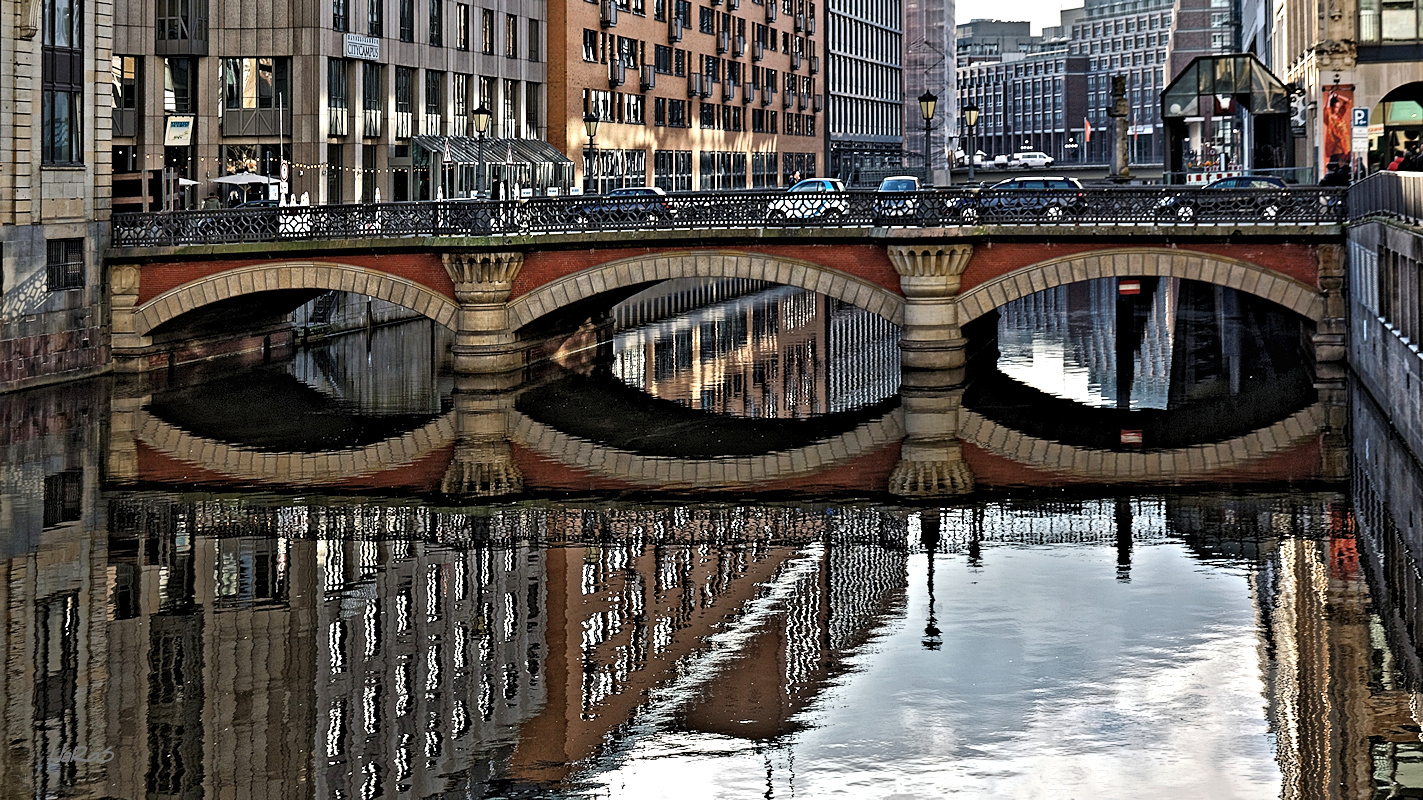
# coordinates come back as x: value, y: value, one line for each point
x: 500, y: 295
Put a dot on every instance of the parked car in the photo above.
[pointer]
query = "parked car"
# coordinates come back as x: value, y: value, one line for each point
x: 895, y: 200
x: 1031, y: 159
x: 1001, y: 162
x: 812, y: 198
x: 621, y: 206
x: 1189, y: 203
x: 1053, y: 199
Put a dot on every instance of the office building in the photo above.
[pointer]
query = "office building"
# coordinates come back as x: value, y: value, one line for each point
x: 358, y: 97
x: 54, y: 198
x: 1029, y: 103
x: 929, y: 53
x: 1128, y: 38
x: 724, y: 94
x: 865, y: 76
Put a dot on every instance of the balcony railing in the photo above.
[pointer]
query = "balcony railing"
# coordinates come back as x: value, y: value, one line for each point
x: 403, y: 124
x: 370, y: 122
x: 430, y: 125
x: 338, y: 121
x: 1175, y: 210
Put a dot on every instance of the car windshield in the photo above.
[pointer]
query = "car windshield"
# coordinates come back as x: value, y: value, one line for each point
x: 901, y: 185
x: 807, y: 187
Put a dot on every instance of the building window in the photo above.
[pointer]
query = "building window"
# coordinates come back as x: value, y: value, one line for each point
x: 462, y: 26
x: 434, y: 97
x: 590, y: 45
x: 486, y: 31
x: 662, y: 59
x: 459, y: 94
x: 706, y: 21
x: 684, y: 13
x: 62, y: 83
x: 672, y: 170
x: 125, y: 83
x: 335, y: 172
x: 178, y: 86
x: 182, y: 20
x: 534, y: 54
x: 63, y: 493
x: 677, y: 114
x: 511, y: 36
x: 340, y: 15
x: 338, y: 102
x: 256, y: 82
x: 437, y: 23
x: 375, y: 17
x: 65, y: 263
x: 404, y: 101
x: 510, y: 122
x: 407, y: 20
x: 532, y: 103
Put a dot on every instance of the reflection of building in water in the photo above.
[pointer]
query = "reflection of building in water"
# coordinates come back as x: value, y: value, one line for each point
x: 240, y: 641
x: 734, y: 639
x: 782, y: 352
x: 392, y: 369
x: 53, y: 593
x: 1388, y: 502
x: 1064, y: 341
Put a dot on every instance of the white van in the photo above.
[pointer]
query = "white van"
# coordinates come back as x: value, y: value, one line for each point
x: 1032, y: 159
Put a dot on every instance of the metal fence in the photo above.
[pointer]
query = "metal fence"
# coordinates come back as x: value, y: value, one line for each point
x: 1389, y: 194
x: 1176, y: 207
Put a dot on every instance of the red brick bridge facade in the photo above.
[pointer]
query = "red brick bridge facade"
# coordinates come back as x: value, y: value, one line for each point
x: 930, y: 285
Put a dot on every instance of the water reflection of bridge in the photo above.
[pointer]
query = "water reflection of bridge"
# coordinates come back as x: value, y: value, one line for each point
x: 260, y: 648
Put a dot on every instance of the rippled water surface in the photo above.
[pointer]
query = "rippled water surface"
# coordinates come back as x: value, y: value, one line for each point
x: 694, y: 557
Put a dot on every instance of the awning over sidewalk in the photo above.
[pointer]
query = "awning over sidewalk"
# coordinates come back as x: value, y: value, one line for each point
x: 465, y: 150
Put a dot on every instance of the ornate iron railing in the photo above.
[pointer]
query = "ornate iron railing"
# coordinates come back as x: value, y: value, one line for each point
x: 1171, y: 207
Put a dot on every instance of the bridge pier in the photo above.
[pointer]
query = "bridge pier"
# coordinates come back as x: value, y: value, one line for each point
x: 484, y: 341
x: 931, y: 458
x: 929, y: 277
x: 123, y: 304
x: 483, y: 461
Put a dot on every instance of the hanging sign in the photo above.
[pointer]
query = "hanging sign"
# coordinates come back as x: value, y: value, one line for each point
x: 179, y: 132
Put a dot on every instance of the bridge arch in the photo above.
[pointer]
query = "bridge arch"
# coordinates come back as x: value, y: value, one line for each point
x: 1298, y: 297
x: 288, y: 275
x: 653, y: 268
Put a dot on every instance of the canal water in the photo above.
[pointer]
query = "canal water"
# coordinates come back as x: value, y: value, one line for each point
x: 686, y: 562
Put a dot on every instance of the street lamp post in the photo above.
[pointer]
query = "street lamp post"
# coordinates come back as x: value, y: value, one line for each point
x: 1071, y: 148
x: 926, y: 108
x: 480, y: 117
x: 970, y: 118
x: 590, y: 124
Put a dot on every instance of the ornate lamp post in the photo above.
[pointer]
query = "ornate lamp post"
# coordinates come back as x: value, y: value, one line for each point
x: 590, y: 124
x: 926, y: 108
x: 1071, y: 148
x: 970, y: 118
x: 480, y: 118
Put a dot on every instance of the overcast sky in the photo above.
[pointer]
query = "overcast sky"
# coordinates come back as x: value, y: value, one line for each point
x: 1038, y: 12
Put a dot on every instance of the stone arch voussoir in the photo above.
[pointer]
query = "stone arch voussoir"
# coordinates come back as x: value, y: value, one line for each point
x: 704, y: 264
x: 330, y: 276
x: 1280, y: 289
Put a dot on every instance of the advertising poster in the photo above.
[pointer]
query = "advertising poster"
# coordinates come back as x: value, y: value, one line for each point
x: 1338, y: 123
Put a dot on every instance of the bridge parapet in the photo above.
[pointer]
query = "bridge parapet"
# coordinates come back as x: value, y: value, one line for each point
x: 975, y: 211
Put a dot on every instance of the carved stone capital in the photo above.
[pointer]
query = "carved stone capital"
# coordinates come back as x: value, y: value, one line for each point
x: 930, y: 261
x: 482, y: 278
x: 931, y: 479
x: 123, y: 284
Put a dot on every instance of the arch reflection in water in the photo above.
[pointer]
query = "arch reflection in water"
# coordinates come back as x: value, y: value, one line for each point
x: 780, y: 352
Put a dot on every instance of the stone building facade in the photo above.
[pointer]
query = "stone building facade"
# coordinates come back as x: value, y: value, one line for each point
x: 341, y: 90
x: 720, y: 94
x: 54, y: 197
